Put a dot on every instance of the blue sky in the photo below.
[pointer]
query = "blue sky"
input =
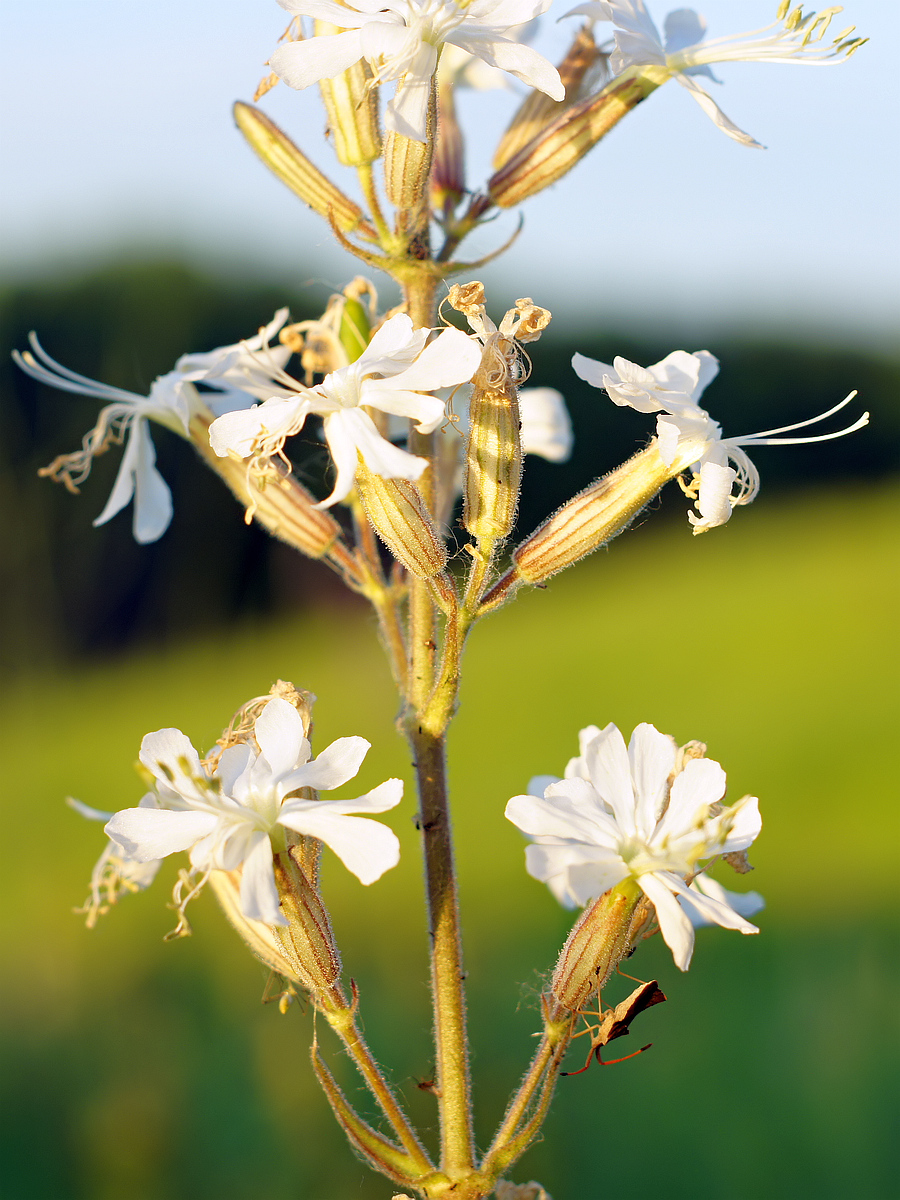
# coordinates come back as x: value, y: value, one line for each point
x: 118, y: 133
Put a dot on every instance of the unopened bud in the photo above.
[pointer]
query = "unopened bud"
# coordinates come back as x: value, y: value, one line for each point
x: 448, y: 179
x: 537, y: 110
x: 308, y: 938
x: 292, y: 167
x: 566, y: 140
x: 601, y: 938
x: 351, y: 102
x: 400, y: 517
x: 593, y: 517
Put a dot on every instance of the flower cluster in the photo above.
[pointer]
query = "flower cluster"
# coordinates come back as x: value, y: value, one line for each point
x: 646, y: 812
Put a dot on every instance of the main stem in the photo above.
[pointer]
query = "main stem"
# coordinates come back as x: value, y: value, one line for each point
x: 452, y: 1084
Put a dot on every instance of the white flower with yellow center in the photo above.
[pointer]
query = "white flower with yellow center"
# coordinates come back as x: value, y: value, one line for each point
x: 619, y: 814
x: 794, y: 37
x: 236, y: 815
x: 402, y: 39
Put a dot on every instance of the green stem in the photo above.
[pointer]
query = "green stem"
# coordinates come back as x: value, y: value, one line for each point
x: 341, y: 1016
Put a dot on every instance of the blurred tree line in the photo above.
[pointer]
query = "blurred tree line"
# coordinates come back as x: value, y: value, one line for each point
x: 70, y: 590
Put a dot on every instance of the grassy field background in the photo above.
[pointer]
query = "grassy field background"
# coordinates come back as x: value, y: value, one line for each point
x: 137, y: 1070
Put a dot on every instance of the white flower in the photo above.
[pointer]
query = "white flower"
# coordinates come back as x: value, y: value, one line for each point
x: 401, y: 39
x: 688, y: 436
x: 546, y: 424
x: 389, y: 376
x: 675, y: 383
x: 115, y: 873
x: 236, y: 374
x: 619, y: 818
x: 685, y: 54
x: 234, y: 816
x: 696, y: 440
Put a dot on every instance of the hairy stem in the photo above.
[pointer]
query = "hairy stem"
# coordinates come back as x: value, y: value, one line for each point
x: 452, y: 1086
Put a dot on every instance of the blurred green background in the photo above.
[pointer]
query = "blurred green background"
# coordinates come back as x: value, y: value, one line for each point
x: 149, y: 1071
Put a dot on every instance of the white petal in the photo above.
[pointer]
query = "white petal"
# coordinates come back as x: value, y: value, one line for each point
x: 148, y: 833
x: 232, y: 764
x: 701, y: 784
x: 652, y: 758
x: 397, y: 343
x: 407, y: 112
x: 709, y: 369
x: 340, y: 436
x: 279, y: 734
x: 367, y: 848
x: 546, y: 425
x: 452, y: 358
x: 123, y: 488
x: 259, y: 895
x: 427, y: 411
x: 171, y: 757
x: 746, y: 904
x: 300, y: 64
x: 336, y: 765
x: 380, y: 455
x: 554, y: 817
x: 674, y: 923
x: 744, y: 824
x: 713, y: 910
x: 712, y: 110
x: 324, y: 10
x: 590, y: 370
x: 607, y: 761
x: 714, y: 497
x: 683, y: 28
x: 522, y: 61
x: 152, y: 498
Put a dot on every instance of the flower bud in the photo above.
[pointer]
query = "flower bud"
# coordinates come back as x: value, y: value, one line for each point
x: 448, y: 178
x: 566, y: 140
x: 351, y: 102
x: 537, y: 110
x: 601, y: 938
x: 593, y: 517
x: 292, y: 167
x: 400, y: 517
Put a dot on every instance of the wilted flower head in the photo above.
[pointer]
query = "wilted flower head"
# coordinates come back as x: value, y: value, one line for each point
x: 629, y: 812
x: 685, y: 53
x: 401, y: 40
x: 236, y: 815
x: 233, y: 375
x: 392, y: 373
x: 115, y: 873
